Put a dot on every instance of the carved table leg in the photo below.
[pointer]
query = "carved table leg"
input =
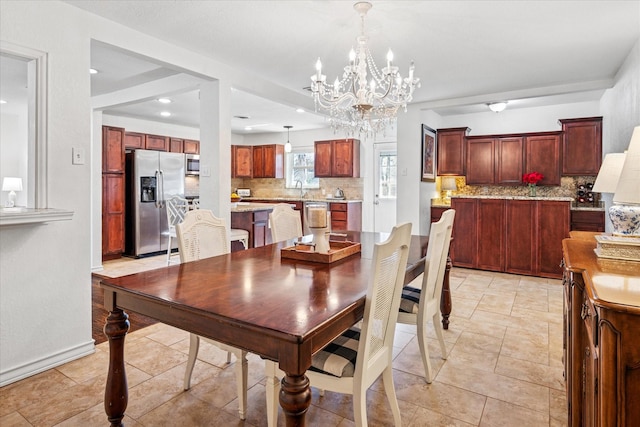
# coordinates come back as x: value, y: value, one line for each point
x: 445, y: 299
x: 116, y: 394
x: 295, y: 398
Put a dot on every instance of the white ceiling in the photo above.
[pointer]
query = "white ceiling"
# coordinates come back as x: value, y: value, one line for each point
x: 466, y: 53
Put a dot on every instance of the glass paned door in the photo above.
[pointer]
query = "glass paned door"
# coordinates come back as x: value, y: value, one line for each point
x: 386, y: 186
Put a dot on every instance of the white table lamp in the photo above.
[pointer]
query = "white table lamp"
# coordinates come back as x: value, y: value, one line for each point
x: 448, y: 184
x: 625, y: 211
x: 11, y: 184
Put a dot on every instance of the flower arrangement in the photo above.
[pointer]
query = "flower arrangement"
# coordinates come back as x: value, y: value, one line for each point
x: 531, y: 179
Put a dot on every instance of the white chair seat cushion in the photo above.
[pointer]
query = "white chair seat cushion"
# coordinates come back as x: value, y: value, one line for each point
x: 410, y: 301
x: 338, y: 358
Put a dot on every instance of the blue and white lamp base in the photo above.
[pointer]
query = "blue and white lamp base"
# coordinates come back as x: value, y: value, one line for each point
x: 625, y: 220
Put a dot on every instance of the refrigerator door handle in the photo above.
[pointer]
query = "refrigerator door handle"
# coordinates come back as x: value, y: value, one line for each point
x: 161, y: 195
x: 157, y: 200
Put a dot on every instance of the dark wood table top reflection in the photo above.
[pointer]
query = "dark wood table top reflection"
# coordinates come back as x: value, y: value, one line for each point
x: 281, y: 309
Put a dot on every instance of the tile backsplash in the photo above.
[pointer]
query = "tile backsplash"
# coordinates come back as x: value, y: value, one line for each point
x: 568, y: 188
x: 269, y: 188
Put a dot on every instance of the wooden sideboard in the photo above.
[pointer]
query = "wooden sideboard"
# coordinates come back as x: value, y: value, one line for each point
x: 601, y: 336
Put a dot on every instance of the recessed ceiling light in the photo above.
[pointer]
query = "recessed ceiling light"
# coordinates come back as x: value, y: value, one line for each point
x: 164, y: 100
x: 93, y: 71
x: 248, y: 128
x: 300, y: 110
x: 165, y: 114
x: 2, y: 101
x: 241, y: 117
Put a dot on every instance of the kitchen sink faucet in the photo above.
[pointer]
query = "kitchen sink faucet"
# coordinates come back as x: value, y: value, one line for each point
x: 302, y: 193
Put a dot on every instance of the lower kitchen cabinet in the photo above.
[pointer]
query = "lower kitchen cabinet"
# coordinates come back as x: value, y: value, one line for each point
x: 601, y: 346
x: 490, y: 235
x: 256, y: 223
x: 587, y: 220
x: 465, y: 242
x: 436, y: 213
x: 521, y: 231
x: 346, y: 216
x: 515, y: 236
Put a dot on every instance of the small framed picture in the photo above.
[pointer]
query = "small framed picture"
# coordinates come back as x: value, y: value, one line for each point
x: 428, y: 154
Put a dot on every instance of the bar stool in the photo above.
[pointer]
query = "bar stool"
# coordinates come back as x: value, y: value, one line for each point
x: 238, y: 234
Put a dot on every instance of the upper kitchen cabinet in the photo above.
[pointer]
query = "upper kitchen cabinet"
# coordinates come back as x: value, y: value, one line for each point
x: 480, y: 161
x: 156, y: 142
x: 337, y: 158
x: 494, y: 160
x: 241, y: 161
x: 176, y: 145
x: 581, y: 146
x: 134, y: 140
x: 542, y: 154
x: 112, y: 150
x: 268, y: 161
x: 191, y: 146
x: 451, y: 151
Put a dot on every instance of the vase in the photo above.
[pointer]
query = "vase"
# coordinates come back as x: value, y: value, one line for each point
x: 532, y: 190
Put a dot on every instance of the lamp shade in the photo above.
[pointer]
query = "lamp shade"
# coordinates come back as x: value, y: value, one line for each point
x: 628, y: 188
x: 10, y: 183
x: 609, y: 173
x: 449, y: 183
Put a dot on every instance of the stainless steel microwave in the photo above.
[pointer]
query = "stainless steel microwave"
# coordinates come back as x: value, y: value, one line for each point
x: 192, y: 165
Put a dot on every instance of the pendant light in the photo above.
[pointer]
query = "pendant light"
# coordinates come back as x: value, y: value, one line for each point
x: 287, y: 146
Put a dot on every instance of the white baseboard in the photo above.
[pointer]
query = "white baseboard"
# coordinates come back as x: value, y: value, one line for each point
x: 31, y: 368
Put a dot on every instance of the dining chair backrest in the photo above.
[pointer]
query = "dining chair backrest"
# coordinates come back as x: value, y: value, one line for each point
x: 285, y: 223
x: 383, y: 300
x: 177, y: 207
x: 437, y: 251
x: 195, y: 204
x: 201, y: 235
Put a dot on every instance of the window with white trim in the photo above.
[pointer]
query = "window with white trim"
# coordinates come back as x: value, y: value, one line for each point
x: 299, y: 167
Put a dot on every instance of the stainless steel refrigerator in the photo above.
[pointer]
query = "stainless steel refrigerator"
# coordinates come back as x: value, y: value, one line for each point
x: 152, y: 177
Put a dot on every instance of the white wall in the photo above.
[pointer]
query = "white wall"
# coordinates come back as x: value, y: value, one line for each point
x: 13, y: 153
x: 45, y: 304
x: 620, y: 107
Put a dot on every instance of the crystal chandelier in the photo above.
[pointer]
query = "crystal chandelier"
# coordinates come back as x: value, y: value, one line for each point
x: 358, y: 106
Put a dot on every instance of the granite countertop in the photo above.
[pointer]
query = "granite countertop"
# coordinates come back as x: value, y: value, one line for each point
x: 553, y: 199
x: 251, y: 207
x: 303, y: 199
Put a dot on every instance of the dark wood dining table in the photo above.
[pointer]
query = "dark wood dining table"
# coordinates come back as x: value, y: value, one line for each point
x: 281, y: 309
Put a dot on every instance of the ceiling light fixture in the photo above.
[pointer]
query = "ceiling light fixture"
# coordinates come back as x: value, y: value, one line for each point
x: 496, y: 107
x: 300, y: 110
x: 356, y: 105
x: 93, y: 71
x: 165, y: 114
x: 2, y: 101
x: 164, y: 101
x: 287, y: 146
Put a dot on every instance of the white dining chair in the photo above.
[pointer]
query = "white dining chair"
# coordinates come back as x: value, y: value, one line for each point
x: 176, y: 207
x: 285, y: 223
x: 352, y: 362
x: 202, y: 235
x: 418, y: 305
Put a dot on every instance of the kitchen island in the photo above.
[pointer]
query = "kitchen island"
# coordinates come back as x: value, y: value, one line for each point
x: 253, y: 217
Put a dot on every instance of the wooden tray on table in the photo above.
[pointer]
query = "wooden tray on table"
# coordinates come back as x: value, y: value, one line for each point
x: 337, y: 251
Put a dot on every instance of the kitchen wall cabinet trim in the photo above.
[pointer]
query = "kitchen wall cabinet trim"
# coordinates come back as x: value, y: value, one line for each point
x: 587, y: 220
x: 451, y: 151
x: 581, y: 146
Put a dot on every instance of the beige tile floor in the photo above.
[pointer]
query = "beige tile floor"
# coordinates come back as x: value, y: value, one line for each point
x: 504, y: 369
